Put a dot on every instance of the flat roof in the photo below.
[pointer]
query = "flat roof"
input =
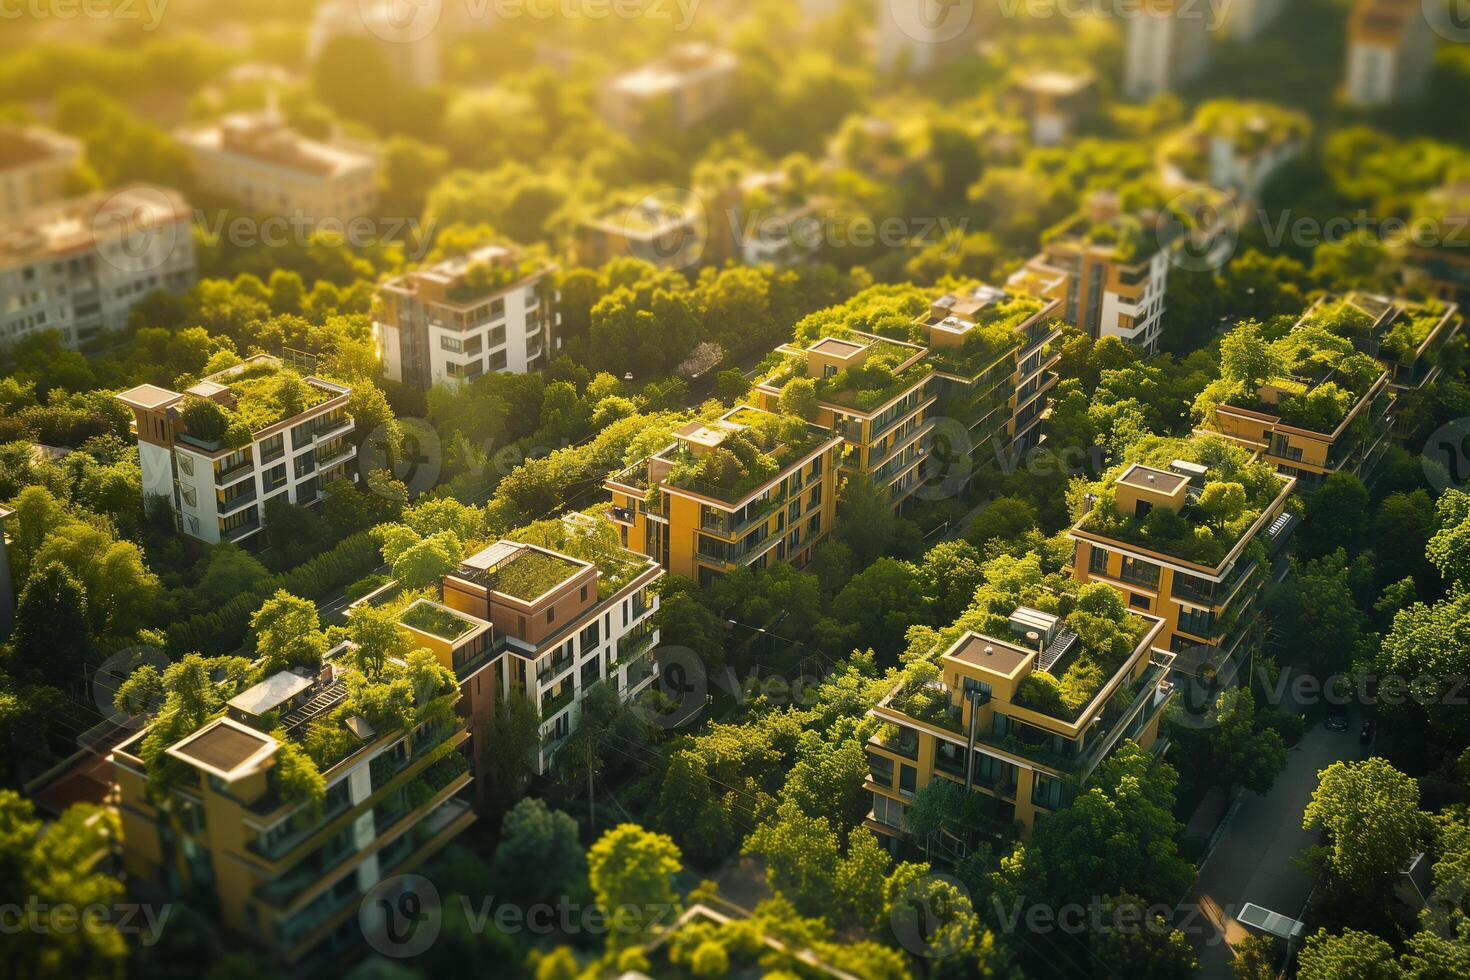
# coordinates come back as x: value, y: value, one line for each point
x: 497, y: 554
x: 224, y: 748
x: 270, y: 693
x: 837, y: 347
x: 1148, y: 478
x: 147, y: 396
x: 979, y: 650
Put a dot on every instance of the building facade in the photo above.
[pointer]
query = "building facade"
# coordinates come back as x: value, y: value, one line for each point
x: 260, y: 432
x: 917, y: 36
x: 259, y: 162
x: 692, y: 83
x: 697, y: 516
x: 881, y: 417
x: 1055, y: 102
x: 488, y: 311
x: 976, y: 727
x: 216, y: 815
x: 1390, y: 48
x: 1167, y: 45
x: 34, y: 166
x: 80, y: 266
x: 411, y: 52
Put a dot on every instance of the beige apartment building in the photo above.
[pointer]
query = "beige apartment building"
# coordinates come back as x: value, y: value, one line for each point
x: 684, y: 88
x: 34, y: 166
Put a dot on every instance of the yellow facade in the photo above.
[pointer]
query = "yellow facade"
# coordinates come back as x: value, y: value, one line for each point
x: 1025, y: 761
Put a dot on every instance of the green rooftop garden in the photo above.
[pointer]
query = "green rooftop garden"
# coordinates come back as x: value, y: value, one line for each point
x: 747, y: 458
x: 1319, y: 373
x: 481, y: 279
x: 1250, y: 126
x: 865, y: 386
x: 994, y: 335
x: 533, y: 573
x: 265, y: 394
x: 436, y: 621
x: 1235, y: 494
x: 593, y: 539
x: 1131, y: 239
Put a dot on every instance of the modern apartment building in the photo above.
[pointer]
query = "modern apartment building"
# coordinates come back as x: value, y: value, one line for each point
x: 1246, y: 20
x: 1168, y: 45
x: 917, y: 36
x: 1390, y: 49
x: 994, y: 362
x: 406, y: 38
x: 1332, y: 409
x: 1235, y: 147
x: 987, y: 723
x: 221, y: 450
x: 34, y: 166
x: 873, y: 392
x: 80, y: 266
x: 1434, y: 256
x: 1160, y: 530
x: 490, y: 310
x: 692, y: 83
x: 1111, y: 271
x: 1055, y: 102
x: 762, y: 219
x: 257, y: 161
x: 745, y: 489
x: 669, y: 229
x: 219, y: 813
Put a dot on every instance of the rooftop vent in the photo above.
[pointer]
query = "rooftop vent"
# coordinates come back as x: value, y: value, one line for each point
x: 1194, y: 472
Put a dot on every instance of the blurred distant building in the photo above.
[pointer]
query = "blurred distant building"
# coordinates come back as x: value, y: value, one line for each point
x: 1054, y: 102
x: 669, y: 229
x: 80, y: 266
x: 1390, y: 45
x: 490, y: 310
x: 690, y: 84
x: 1246, y: 19
x: 1168, y: 45
x: 34, y: 164
x: 259, y: 161
x: 917, y: 36
x: 410, y: 47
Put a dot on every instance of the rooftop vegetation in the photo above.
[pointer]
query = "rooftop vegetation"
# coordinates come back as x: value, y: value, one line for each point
x: 746, y: 458
x: 1236, y: 491
x: 865, y: 386
x: 1250, y: 126
x: 265, y: 394
x: 533, y: 573
x: 435, y: 620
x: 993, y: 336
x: 592, y: 539
x: 1315, y: 367
x: 482, y: 278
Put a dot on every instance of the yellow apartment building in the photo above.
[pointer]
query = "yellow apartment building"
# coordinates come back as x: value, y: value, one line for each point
x: 982, y: 725
x: 216, y: 814
x: 745, y: 489
x: 1171, y: 535
x: 872, y: 392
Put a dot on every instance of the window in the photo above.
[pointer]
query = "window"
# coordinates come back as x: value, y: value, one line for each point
x: 591, y: 636
x: 908, y: 780
x: 584, y: 593
x: 1097, y: 560
x: 881, y: 768
x: 1140, y: 572
x: 450, y: 344
x: 1047, y: 791
x: 551, y: 614
x: 888, y: 812
x: 1138, y: 601
x: 1197, y: 622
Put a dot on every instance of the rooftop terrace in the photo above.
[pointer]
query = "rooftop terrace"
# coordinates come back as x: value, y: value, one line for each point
x: 879, y: 369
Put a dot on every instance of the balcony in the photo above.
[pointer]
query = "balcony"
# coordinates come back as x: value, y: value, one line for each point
x: 550, y: 706
x: 633, y: 646
x: 235, y: 503
x: 334, y: 456
x: 240, y: 531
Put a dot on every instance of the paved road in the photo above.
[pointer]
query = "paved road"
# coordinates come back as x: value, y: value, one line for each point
x: 1252, y: 861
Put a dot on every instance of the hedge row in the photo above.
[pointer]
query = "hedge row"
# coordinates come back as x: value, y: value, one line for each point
x: 223, y: 630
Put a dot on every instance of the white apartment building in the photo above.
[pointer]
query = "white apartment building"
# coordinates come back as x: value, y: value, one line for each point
x: 917, y: 36
x: 1168, y: 45
x: 218, y: 484
x: 80, y: 266
x: 270, y: 169
x: 1390, y: 47
x: 691, y: 83
x: 490, y: 310
x: 407, y: 36
x: 34, y: 165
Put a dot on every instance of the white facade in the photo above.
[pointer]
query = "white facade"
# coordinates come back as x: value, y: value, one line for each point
x: 1167, y: 46
x: 426, y: 338
x: 1146, y: 315
x: 918, y: 36
x: 270, y: 169
x: 80, y: 267
x: 34, y: 166
x: 218, y: 493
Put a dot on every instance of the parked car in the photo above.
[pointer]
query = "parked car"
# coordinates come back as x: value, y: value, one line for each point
x: 1337, y: 719
x: 1365, y: 737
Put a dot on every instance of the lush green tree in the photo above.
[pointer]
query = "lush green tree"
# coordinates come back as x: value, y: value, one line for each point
x: 882, y: 602
x: 1428, y: 646
x: 608, y: 727
x: 1317, y: 606
x: 1401, y: 528
x: 1369, y: 812
x: 1358, y: 955
x: 948, y: 577
x: 1005, y: 519
x: 1257, y: 957
x: 539, y: 856
x: 1134, y: 942
x: 52, y: 636
x: 1240, y: 752
x: 1337, y: 514
x: 631, y: 871
x: 801, y: 854
x: 288, y: 633
x: 511, y: 750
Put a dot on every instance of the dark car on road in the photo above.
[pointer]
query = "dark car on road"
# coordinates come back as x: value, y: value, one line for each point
x: 1337, y: 719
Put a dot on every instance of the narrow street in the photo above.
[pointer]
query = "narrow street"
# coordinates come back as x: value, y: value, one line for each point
x: 1253, y: 859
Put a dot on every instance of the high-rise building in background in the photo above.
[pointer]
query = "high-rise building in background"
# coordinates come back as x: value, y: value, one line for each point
x: 1168, y: 45
x: 1390, y: 48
